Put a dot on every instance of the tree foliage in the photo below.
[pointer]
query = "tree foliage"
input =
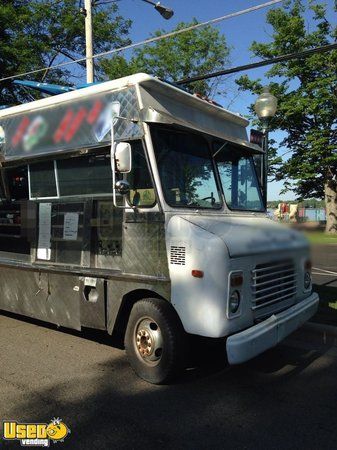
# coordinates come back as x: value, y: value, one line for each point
x: 184, y: 55
x: 307, y: 92
x: 37, y: 33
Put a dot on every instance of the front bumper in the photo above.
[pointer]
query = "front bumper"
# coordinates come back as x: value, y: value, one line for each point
x: 255, y: 340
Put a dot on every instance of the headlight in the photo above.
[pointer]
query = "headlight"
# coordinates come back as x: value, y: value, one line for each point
x: 234, y: 302
x: 307, y: 280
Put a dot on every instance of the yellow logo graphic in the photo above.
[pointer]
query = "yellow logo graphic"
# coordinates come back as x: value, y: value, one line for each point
x: 35, y: 434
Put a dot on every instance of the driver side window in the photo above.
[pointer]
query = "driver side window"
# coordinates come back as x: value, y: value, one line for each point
x: 142, y: 193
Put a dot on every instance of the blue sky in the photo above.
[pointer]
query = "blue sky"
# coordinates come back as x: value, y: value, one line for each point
x: 239, y: 32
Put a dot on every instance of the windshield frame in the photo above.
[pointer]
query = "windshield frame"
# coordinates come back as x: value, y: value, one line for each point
x: 210, y: 140
x: 241, y: 152
x: 203, y: 137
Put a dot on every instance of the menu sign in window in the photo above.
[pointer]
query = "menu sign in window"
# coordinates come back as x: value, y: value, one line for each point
x: 43, y: 248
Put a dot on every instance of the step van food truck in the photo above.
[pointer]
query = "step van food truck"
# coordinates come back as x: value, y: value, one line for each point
x: 135, y: 207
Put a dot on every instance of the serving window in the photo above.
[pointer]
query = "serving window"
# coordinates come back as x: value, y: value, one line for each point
x: 43, y: 180
x: 61, y: 233
x: 88, y: 175
x: 16, y: 214
x: 61, y: 211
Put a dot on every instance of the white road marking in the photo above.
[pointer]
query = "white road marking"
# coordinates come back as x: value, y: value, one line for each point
x: 325, y: 271
x: 322, y: 274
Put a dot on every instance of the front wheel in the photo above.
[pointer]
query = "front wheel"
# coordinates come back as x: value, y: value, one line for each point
x: 154, y: 341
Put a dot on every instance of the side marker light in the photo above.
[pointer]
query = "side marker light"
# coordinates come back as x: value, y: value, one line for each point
x: 197, y: 273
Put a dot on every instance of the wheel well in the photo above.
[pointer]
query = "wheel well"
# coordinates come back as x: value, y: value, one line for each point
x: 122, y: 318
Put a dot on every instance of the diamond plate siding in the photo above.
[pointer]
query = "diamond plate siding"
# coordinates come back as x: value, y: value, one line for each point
x: 124, y: 129
x: 144, y: 247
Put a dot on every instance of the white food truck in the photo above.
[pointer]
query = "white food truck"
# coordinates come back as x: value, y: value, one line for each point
x: 135, y: 207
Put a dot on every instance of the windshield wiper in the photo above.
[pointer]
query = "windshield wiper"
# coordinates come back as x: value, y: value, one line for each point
x: 219, y: 150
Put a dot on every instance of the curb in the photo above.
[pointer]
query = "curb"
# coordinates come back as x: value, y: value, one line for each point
x: 321, y: 328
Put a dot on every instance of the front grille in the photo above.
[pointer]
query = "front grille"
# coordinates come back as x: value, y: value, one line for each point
x: 273, y: 283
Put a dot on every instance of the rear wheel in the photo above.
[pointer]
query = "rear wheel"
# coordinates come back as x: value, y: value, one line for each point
x: 154, y: 341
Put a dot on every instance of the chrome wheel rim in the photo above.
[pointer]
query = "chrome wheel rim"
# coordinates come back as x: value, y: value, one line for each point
x: 148, y: 341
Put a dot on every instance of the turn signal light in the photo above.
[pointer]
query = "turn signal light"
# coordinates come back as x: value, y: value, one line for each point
x: 197, y: 273
x: 236, y: 279
x: 308, y: 265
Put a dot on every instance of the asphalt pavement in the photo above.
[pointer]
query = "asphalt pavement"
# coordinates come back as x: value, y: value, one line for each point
x: 324, y: 258
x: 284, y: 399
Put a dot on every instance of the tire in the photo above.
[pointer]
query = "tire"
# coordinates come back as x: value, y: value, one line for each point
x: 154, y: 341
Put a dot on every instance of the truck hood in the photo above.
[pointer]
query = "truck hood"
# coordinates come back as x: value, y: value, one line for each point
x: 250, y: 235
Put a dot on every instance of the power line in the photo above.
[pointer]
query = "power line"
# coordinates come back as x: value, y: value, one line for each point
x: 266, y: 62
x: 104, y: 2
x: 153, y: 39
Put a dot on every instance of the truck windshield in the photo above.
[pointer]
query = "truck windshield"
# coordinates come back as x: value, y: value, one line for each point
x: 239, y: 179
x: 186, y: 169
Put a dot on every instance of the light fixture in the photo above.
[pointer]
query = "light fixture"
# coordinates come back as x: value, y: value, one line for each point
x: 165, y: 12
x: 266, y: 104
x: 265, y: 108
x: 234, y: 302
x: 307, y: 281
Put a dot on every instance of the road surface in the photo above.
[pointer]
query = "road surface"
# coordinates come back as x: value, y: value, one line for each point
x: 284, y: 399
x: 324, y: 258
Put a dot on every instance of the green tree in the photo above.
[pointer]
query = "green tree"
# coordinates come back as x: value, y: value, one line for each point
x: 36, y: 33
x: 184, y: 55
x: 307, y: 93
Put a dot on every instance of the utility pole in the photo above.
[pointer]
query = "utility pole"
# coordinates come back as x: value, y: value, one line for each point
x: 165, y: 12
x: 88, y: 41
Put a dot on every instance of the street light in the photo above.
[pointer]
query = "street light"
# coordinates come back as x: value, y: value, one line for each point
x: 265, y: 108
x: 167, y: 13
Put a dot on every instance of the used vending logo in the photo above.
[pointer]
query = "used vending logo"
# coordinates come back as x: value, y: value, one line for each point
x: 35, y: 434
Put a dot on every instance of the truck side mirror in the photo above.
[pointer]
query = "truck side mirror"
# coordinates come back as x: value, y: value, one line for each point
x: 123, y: 157
x: 122, y: 187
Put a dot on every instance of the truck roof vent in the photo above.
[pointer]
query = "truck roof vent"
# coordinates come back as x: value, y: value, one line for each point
x: 178, y: 255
